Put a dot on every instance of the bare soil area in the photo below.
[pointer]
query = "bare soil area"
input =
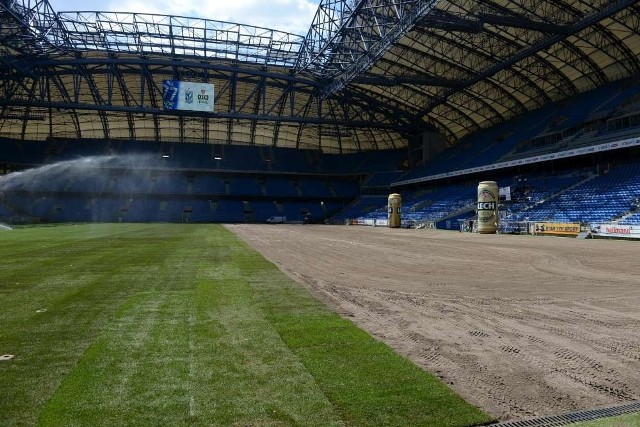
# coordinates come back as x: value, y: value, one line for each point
x: 520, y: 326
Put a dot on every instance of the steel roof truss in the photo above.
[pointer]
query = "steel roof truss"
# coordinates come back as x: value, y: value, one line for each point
x: 383, y: 38
x: 524, y: 23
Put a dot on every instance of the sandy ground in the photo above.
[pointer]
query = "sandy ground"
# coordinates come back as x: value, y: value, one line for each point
x: 520, y: 326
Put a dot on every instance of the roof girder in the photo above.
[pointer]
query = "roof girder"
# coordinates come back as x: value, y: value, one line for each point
x: 496, y: 86
x: 528, y: 51
x: 363, y: 53
x: 347, y: 37
x: 36, y: 29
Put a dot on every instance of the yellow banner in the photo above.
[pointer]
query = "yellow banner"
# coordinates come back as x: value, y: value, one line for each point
x: 557, y: 228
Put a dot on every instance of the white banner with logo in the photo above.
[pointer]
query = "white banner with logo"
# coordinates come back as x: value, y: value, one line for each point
x: 179, y: 95
x: 505, y: 193
x: 616, y: 230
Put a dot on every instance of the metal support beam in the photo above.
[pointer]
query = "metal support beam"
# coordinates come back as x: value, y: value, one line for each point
x: 521, y: 22
x: 358, y: 49
x: 585, y: 22
x: 205, y: 39
x: 302, y: 119
x: 439, y: 19
x: 417, y: 80
x: 32, y: 28
x: 174, y: 62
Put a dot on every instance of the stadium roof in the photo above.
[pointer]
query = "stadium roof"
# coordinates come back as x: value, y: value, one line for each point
x: 369, y: 74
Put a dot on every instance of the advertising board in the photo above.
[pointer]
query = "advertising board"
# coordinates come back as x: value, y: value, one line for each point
x: 191, y: 96
x: 557, y: 228
x: 615, y: 230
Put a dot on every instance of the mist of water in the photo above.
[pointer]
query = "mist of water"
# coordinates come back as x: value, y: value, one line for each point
x: 91, y: 170
x: 23, y: 193
x: 4, y: 227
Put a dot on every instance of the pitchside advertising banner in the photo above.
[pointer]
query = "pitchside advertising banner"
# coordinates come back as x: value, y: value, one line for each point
x: 556, y: 228
x: 179, y: 95
x: 616, y: 230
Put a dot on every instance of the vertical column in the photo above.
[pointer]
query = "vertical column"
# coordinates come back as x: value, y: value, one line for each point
x: 394, y: 217
x: 487, y: 207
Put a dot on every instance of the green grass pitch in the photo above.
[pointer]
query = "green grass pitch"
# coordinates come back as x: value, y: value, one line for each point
x: 628, y: 420
x: 185, y: 325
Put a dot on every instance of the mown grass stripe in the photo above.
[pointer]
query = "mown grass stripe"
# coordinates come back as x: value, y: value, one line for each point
x: 362, y: 377
x: 136, y: 371
x: 79, y: 304
x: 254, y: 377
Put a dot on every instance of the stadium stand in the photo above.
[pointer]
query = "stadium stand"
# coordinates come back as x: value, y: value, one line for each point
x: 136, y: 183
x: 382, y: 179
x: 601, y: 199
x: 632, y: 219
